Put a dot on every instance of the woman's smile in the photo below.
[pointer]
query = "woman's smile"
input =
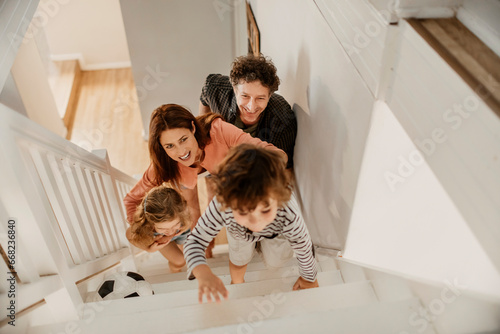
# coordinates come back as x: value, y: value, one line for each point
x: 186, y: 157
x: 180, y: 145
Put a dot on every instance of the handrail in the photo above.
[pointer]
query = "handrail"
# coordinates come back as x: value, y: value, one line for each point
x: 66, y: 205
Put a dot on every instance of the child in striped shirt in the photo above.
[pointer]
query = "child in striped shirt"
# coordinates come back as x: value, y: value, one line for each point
x: 253, y: 200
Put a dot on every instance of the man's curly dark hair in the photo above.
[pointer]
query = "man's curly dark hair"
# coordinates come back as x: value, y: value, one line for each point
x: 251, y: 68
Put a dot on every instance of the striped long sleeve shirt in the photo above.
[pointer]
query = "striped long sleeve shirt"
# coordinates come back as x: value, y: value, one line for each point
x: 288, y: 222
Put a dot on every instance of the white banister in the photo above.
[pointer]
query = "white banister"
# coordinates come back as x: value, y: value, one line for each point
x: 68, y: 211
x: 97, y: 237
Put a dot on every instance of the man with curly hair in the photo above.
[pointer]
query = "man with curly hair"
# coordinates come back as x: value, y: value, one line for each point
x: 248, y: 100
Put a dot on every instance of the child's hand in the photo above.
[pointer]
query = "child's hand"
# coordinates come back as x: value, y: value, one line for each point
x: 303, y: 284
x: 158, y: 244
x: 209, y: 285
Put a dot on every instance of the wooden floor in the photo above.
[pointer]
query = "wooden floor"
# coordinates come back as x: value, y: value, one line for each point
x: 107, y: 116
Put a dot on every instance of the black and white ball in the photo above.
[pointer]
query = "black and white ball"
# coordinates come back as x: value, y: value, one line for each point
x: 123, y: 284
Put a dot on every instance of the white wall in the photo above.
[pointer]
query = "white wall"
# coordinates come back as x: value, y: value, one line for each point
x: 15, y: 17
x: 412, y: 226
x: 333, y: 105
x: 335, y: 58
x: 481, y: 17
x: 89, y: 30
x: 428, y: 97
x: 239, y: 30
x: 174, y: 45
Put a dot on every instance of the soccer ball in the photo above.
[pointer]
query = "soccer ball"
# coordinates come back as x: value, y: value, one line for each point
x: 123, y: 284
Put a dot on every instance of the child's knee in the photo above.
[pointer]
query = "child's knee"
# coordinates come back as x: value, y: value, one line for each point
x: 178, y: 262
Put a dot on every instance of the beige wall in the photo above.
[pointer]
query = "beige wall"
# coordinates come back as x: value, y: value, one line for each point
x: 30, y: 76
x: 89, y: 30
x: 15, y: 17
x: 174, y: 45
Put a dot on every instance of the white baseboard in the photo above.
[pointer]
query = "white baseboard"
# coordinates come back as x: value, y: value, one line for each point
x: 480, y: 18
x: 90, y: 67
x: 106, y: 66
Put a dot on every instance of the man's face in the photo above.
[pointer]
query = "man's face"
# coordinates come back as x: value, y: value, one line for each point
x: 252, y: 98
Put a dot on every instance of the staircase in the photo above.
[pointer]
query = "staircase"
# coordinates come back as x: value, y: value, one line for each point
x: 70, y: 232
x: 66, y: 204
x: 345, y: 302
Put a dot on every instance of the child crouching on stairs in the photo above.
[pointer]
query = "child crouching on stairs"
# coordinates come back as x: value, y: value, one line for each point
x: 161, y: 223
x: 253, y: 200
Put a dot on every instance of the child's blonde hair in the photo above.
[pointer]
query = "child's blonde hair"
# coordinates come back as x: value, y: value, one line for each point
x: 160, y: 204
x: 249, y: 175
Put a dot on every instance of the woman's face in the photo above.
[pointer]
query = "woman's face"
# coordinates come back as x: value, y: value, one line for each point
x: 180, y: 145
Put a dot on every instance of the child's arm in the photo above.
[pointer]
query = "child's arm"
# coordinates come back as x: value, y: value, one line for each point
x: 209, y: 284
x: 207, y: 228
x: 298, y: 236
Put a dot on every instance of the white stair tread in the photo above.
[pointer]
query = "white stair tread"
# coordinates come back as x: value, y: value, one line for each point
x: 155, y: 264
x: 146, y: 260
x: 217, y: 251
x: 35, y: 291
x: 152, y: 260
x: 165, y: 284
x: 351, y: 272
x: 197, y: 317
x: 159, y: 266
x: 217, y: 270
x: 379, y: 318
x: 220, y: 249
x: 190, y: 297
x: 326, y: 264
x: 157, y: 258
x: 389, y: 287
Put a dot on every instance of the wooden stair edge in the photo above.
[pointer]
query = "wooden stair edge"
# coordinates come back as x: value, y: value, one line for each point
x: 71, y: 107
